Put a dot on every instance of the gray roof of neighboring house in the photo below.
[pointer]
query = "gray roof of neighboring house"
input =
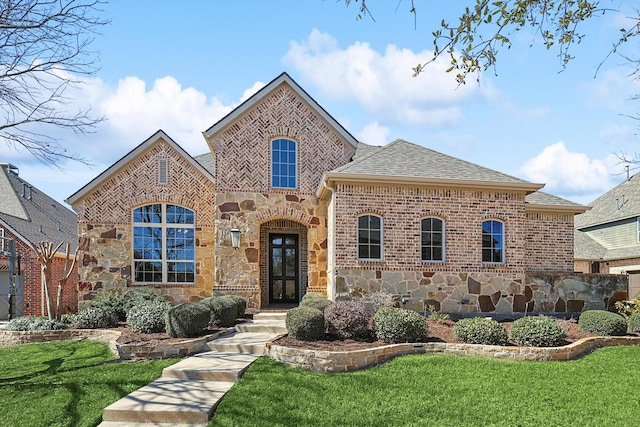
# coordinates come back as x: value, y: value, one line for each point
x: 404, y: 159
x: 618, y: 203
x: 32, y: 214
x: 584, y: 247
x: 207, y: 161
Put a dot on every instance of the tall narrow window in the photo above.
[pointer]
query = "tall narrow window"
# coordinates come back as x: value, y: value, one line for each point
x: 163, y: 244
x: 638, y: 229
x: 2, y: 245
x: 432, y: 239
x: 284, y: 163
x: 492, y: 242
x: 369, y: 237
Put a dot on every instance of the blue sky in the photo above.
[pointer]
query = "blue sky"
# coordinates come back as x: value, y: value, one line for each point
x: 181, y: 66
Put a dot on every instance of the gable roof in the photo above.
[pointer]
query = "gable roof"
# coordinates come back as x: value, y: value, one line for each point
x: 129, y: 157
x: 405, y: 162
x: 263, y: 93
x: 621, y: 202
x: 546, y: 201
x: 208, y: 162
x: 31, y: 214
x: 584, y: 247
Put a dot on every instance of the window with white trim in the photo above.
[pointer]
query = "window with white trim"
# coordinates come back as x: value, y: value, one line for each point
x: 163, y: 244
x: 432, y: 239
x: 369, y: 237
x: 492, y: 242
x: 284, y: 163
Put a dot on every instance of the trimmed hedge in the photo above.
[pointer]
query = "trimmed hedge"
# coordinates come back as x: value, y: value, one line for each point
x: 634, y: 322
x: 537, y: 331
x: 397, y: 325
x: 187, y: 320
x: 241, y: 304
x: 96, y: 318
x: 122, y: 302
x: 348, y: 319
x: 148, y: 318
x: 480, y: 330
x: 602, y: 322
x: 34, y: 323
x: 305, y: 323
x: 319, y: 302
x: 223, y: 311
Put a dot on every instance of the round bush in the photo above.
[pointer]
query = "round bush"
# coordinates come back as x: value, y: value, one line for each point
x: 187, y: 320
x: 319, y: 302
x: 634, y: 322
x: 312, y: 295
x: 96, y: 318
x: 537, y: 331
x: 348, y: 319
x: 223, y: 311
x: 305, y: 323
x: 396, y: 325
x: 241, y: 304
x: 34, y: 323
x: 602, y: 322
x: 479, y: 330
x: 148, y: 318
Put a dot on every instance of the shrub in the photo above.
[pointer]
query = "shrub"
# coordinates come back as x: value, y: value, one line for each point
x: 480, y: 330
x: 241, y: 304
x: 537, y: 331
x: 96, y: 318
x: 634, y: 322
x: 187, y: 320
x: 305, y: 323
x: 627, y: 308
x: 148, y: 318
x: 319, y: 302
x: 222, y: 311
x: 602, y: 322
x: 395, y: 325
x: 348, y: 319
x: 34, y: 323
x: 122, y: 302
x: 312, y: 295
x: 378, y: 300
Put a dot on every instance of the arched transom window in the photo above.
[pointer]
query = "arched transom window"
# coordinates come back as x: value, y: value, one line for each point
x: 492, y: 242
x: 163, y: 244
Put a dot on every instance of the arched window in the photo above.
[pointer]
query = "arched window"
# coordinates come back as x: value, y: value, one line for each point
x: 284, y: 163
x: 163, y: 244
x: 432, y: 239
x: 369, y: 237
x: 492, y: 242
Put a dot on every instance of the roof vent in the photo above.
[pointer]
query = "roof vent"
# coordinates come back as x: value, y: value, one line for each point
x: 163, y: 171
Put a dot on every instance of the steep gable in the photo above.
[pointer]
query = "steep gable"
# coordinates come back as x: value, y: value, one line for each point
x: 621, y: 202
x: 241, y: 140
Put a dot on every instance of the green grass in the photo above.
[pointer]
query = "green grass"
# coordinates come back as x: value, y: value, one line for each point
x: 442, y: 390
x: 66, y: 383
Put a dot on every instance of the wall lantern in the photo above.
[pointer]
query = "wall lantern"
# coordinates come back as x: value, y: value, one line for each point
x: 235, y: 238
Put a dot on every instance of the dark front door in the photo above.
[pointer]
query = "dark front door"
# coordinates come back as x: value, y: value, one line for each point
x: 283, y: 268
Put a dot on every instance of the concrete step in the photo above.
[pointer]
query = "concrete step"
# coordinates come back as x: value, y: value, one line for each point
x: 242, y: 342
x: 266, y: 326
x: 210, y: 366
x: 270, y: 315
x: 169, y: 400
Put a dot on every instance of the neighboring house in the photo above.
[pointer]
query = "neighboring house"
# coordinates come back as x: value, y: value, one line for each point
x: 317, y: 211
x: 28, y: 217
x: 607, y: 237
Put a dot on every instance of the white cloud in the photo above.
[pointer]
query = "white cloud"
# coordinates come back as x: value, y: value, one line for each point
x: 374, y: 134
x: 572, y: 174
x: 618, y: 136
x: 248, y: 93
x: 382, y: 83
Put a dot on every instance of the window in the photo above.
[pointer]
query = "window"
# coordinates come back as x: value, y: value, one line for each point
x: 284, y: 170
x: 432, y: 239
x: 492, y: 242
x: 164, y: 244
x: 638, y: 229
x: 369, y: 237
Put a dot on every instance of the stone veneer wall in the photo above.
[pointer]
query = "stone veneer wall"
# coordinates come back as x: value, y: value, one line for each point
x: 242, y: 271
x: 105, y: 230
x: 489, y: 292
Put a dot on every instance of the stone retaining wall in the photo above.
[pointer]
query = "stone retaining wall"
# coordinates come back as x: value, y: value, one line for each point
x: 346, y: 361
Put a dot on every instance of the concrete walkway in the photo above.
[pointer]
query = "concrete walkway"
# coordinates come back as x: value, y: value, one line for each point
x: 188, y: 392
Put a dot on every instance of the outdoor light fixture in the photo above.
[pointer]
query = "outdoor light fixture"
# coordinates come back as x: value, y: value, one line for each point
x: 235, y: 238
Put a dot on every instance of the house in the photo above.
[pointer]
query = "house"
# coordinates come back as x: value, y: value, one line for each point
x: 607, y: 236
x: 288, y: 202
x: 28, y: 217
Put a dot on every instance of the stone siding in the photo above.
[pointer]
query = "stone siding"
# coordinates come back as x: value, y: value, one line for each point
x: 105, y: 229
x: 488, y: 292
x: 243, y: 150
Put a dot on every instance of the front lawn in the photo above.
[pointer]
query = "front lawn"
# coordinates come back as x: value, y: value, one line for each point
x: 442, y: 390
x: 66, y: 383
